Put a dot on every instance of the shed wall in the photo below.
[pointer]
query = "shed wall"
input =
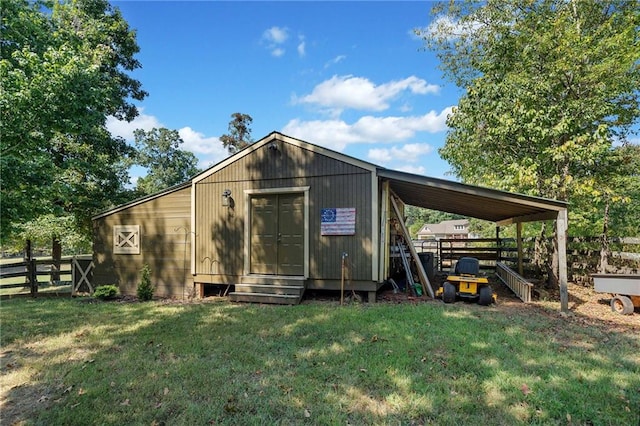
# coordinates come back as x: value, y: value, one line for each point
x: 165, y: 245
x: 220, y: 231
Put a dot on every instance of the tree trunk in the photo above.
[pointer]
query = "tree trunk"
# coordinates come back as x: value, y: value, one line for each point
x: 604, y: 241
x: 56, y: 258
x: 28, y: 255
x: 541, y: 250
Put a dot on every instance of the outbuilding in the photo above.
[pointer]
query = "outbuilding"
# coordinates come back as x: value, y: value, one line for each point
x: 283, y: 216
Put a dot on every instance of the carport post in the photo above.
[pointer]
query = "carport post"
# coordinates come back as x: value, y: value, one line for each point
x: 519, y: 245
x: 561, y: 228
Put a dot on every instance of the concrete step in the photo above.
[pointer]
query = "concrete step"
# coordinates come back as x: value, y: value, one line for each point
x: 278, y: 299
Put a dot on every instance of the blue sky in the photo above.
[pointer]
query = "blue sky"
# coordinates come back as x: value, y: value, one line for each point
x: 349, y: 76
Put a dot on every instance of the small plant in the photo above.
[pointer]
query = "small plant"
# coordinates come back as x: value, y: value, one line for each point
x: 145, y: 289
x: 105, y: 292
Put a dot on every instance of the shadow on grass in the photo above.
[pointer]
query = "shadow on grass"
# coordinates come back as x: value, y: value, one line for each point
x: 65, y: 362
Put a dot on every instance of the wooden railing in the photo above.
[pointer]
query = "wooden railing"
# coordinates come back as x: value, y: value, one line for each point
x: 521, y: 287
x: 487, y: 250
x: 32, y: 275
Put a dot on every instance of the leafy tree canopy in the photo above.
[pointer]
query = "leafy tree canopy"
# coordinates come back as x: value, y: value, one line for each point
x: 551, y: 97
x: 159, y: 151
x: 239, y: 136
x: 63, y: 69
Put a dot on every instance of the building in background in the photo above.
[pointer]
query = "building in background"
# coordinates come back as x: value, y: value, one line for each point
x: 447, y: 229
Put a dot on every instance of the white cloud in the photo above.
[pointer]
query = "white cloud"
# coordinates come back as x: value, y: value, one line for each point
x: 335, y: 60
x: 407, y: 153
x: 302, y: 46
x: 277, y: 52
x: 405, y: 108
x: 416, y: 170
x: 274, y: 38
x: 276, y: 35
x: 446, y: 28
x: 208, y: 149
x: 125, y: 129
x: 359, y: 93
x: 337, y: 134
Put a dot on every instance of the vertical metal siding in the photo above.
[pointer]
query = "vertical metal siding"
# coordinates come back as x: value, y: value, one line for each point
x: 220, y: 230
x: 165, y: 246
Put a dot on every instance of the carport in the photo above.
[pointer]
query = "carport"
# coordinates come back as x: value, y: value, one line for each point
x: 501, y: 207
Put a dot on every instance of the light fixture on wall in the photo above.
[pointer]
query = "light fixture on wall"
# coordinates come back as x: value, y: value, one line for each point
x: 226, y: 196
x: 273, y: 147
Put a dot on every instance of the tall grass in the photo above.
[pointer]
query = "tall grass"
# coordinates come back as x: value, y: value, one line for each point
x: 76, y: 363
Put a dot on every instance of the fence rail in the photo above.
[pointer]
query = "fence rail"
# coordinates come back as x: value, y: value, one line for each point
x: 585, y: 255
x: 32, y: 270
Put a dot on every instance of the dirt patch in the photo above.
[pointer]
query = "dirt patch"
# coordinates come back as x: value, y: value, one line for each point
x: 594, y: 308
x: 586, y: 306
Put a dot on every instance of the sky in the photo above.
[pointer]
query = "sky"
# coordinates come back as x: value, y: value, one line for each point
x: 349, y: 76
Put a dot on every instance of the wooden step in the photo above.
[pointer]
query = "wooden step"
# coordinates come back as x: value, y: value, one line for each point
x: 283, y: 290
x: 293, y: 290
x: 278, y: 299
x: 271, y: 279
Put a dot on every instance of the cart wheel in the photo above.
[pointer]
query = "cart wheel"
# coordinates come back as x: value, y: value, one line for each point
x: 449, y: 292
x: 486, y: 296
x: 622, y: 305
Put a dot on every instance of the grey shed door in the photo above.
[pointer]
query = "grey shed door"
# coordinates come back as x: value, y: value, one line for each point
x: 277, y: 234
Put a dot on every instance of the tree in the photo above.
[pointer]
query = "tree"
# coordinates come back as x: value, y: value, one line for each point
x: 550, y: 86
x: 159, y: 151
x: 239, y: 136
x: 63, y: 69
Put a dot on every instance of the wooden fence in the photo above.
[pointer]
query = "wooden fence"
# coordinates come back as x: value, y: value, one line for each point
x: 447, y: 251
x: 33, y: 275
x: 585, y: 255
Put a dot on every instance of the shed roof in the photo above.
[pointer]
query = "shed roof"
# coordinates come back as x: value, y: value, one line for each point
x: 473, y: 201
x: 438, y: 194
x: 277, y: 136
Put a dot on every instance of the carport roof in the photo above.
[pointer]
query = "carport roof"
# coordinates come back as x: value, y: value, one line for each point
x: 493, y: 205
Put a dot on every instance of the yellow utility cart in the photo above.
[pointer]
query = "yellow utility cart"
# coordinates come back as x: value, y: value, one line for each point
x: 466, y: 284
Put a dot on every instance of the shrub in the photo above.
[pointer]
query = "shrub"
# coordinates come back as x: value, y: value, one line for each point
x: 105, y: 292
x: 145, y: 289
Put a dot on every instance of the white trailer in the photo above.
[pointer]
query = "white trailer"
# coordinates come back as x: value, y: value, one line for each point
x: 625, y: 291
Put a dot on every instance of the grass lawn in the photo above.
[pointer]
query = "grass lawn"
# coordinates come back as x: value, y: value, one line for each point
x: 71, y: 362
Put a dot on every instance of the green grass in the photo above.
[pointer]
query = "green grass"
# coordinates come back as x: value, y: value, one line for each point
x: 77, y: 363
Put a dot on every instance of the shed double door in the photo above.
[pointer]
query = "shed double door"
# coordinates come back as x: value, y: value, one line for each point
x: 277, y: 234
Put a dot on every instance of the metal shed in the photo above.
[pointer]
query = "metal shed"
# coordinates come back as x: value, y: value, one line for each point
x: 232, y: 221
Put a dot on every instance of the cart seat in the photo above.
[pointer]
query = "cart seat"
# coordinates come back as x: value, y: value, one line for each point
x: 467, y: 266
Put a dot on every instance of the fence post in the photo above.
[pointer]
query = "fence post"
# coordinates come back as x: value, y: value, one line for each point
x: 31, y: 276
x: 498, y: 247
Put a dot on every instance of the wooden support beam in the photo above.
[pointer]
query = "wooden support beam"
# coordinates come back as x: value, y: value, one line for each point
x: 561, y: 227
x: 424, y: 280
x: 519, y: 244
